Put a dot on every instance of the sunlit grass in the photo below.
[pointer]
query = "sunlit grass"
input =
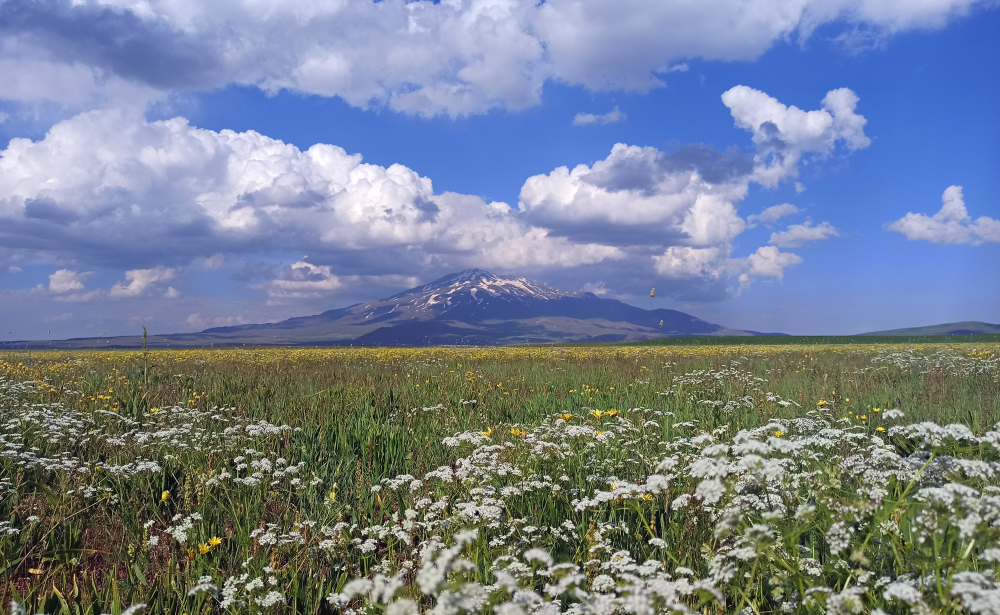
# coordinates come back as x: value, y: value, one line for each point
x: 129, y: 479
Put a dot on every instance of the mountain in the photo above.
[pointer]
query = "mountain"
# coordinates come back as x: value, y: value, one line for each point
x: 952, y: 328
x: 473, y: 307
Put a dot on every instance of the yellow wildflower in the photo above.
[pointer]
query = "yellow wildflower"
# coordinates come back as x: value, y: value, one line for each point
x: 821, y: 402
x: 611, y: 413
x: 487, y: 433
x: 565, y: 416
x: 164, y: 496
x: 778, y: 434
x: 214, y: 541
x: 597, y: 414
x: 880, y: 428
x: 517, y: 433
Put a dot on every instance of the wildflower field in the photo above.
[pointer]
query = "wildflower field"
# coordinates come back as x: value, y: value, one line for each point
x: 508, y: 481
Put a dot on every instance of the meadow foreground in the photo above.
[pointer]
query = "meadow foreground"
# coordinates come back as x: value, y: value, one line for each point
x: 590, y: 480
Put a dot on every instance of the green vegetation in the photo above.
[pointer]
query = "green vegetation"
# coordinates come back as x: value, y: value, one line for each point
x: 808, y: 340
x: 780, y: 478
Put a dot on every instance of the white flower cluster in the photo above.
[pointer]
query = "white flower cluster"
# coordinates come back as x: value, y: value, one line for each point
x: 805, y: 492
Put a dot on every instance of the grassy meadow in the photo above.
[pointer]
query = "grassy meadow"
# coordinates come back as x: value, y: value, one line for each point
x: 588, y: 480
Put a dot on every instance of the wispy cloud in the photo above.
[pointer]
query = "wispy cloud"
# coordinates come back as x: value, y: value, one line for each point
x: 798, y: 234
x: 611, y: 117
x: 772, y: 214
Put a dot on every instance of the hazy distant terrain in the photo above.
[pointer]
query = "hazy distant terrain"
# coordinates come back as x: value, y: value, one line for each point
x: 473, y: 307
x: 953, y: 328
x: 478, y: 308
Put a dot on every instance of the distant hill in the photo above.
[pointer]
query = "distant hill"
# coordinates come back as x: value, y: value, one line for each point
x: 953, y: 328
x: 473, y: 307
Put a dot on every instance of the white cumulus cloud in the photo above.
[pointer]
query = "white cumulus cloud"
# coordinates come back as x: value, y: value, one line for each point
x: 456, y: 57
x: 304, y: 279
x: 951, y: 224
x: 783, y: 133
x: 164, y: 199
x: 679, y: 262
x: 688, y: 193
x: 165, y: 194
x: 770, y: 261
x: 683, y: 206
x: 65, y: 280
x: 138, y: 280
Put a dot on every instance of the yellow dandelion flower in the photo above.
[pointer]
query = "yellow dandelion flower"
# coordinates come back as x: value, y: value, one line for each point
x: 214, y: 541
x: 778, y: 434
x: 880, y: 428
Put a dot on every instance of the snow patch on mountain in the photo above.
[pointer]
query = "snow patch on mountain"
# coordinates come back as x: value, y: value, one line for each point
x: 475, y: 286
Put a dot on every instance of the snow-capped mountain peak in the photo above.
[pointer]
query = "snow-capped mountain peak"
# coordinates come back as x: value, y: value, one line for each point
x: 478, y: 285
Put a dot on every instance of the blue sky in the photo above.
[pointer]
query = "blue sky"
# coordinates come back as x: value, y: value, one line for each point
x: 168, y: 180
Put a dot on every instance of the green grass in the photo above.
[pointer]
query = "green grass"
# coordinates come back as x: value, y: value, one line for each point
x: 785, y: 340
x: 356, y: 417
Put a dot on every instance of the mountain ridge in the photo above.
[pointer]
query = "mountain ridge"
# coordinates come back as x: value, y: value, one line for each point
x: 470, y: 307
x: 966, y: 327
